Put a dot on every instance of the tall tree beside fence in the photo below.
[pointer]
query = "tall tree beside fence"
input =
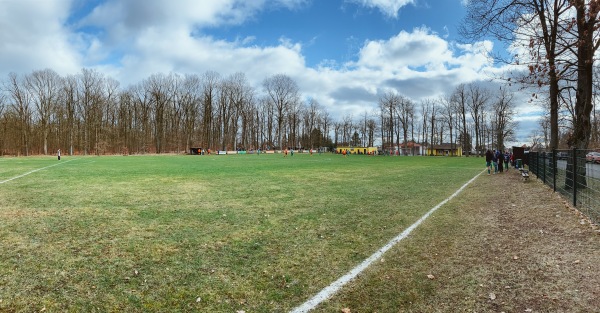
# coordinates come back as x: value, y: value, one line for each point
x: 536, y: 26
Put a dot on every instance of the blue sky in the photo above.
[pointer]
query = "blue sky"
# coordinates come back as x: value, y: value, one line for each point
x: 335, y: 30
x: 342, y: 53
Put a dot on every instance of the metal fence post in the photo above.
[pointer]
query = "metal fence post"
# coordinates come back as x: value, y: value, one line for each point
x: 544, y: 159
x: 537, y: 164
x: 574, y: 177
x: 554, y: 169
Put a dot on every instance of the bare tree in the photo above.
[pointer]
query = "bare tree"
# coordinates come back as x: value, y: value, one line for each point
x: 405, y: 113
x: 44, y: 88
x: 425, y: 112
x: 3, y: 123
x: 432, y: 118
x: 282, y: 91
x: 460, y: 98
x: 189, y: 96
x: 504, y: 117
x: 587, y: 43
x: 89, y: 105
x: 536, y: 25
x: 110, y: 99
x: 371, y: 129
x: 388, y: 104
x: 311, y: 116
x: 70, y: 98
x: 293, y: 118
x: 347, y: 128
x: 478, y: 100
x: 448, y: 111
x: 210, y: 82
x: 21, y: 104
x: 326, y: 121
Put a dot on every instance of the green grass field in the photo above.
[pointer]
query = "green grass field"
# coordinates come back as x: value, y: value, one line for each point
x: 203, y: 233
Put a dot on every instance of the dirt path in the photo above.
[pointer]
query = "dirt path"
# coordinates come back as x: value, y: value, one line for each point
x: 539, y: 253
x: 503, y: 245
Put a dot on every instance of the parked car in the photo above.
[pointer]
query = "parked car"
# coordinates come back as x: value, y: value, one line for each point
x: 593, y: 157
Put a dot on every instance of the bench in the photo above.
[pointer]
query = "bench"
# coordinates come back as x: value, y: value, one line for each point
x: 524, y: 173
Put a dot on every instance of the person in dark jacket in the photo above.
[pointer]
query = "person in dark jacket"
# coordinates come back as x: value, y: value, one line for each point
x: 489, y: 156
x: 500, y: 161
x: 495, y: 161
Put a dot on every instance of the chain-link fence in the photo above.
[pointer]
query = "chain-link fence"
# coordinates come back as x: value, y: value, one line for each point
x: 575, y: 174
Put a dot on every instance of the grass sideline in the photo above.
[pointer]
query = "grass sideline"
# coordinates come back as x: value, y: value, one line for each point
x: 503, y: 245
x: 210, y: 233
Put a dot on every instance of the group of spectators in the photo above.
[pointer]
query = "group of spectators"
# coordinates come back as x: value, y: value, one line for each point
x: 498, y: 161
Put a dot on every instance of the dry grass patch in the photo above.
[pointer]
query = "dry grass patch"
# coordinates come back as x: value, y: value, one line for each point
x: 501, y: 246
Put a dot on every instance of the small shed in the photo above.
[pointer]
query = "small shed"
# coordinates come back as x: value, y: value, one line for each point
x: 196, y: 151
x: 519, y: 153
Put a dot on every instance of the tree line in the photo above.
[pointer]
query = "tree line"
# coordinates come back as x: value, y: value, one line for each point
x: 471, y: 117
x: 89, y: 113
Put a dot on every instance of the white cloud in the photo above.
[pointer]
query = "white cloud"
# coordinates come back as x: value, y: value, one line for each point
x: 132, y: 16
x: 389, y: 8
x: 33, y: 37
x: 131, y: 40
x: 416, y: 49
x: 154, y: 52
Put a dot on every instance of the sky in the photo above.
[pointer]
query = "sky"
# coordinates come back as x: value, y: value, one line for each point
x: 342, y: 53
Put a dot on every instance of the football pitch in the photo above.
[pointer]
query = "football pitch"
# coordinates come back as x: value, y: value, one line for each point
x: 203, y: 233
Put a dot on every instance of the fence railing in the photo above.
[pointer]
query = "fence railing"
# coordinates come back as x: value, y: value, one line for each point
x: 575, y: 174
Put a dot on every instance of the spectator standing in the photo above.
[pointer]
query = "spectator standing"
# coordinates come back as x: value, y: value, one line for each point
x: 495, y: 161
x: 500, y: 162
x: 488, y: 161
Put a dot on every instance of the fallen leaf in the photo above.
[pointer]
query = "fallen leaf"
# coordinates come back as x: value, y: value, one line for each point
x: 492, y: 296
x: 430, y: 276
x: 345, y: 310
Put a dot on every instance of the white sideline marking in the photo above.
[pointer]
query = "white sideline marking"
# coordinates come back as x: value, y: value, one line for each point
x: 31, y: 172
x: 330, y: 290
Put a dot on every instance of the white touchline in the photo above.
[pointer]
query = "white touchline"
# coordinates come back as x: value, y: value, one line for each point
x: 330, y: 290
x: 31, y: 172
